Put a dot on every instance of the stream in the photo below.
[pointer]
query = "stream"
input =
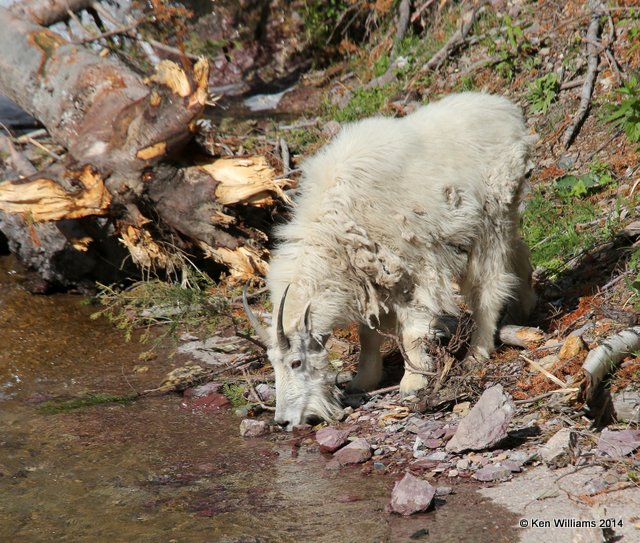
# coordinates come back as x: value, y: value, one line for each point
x: 154, y: 471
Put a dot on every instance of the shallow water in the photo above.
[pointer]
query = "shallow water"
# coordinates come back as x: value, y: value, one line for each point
x: 153, y: 471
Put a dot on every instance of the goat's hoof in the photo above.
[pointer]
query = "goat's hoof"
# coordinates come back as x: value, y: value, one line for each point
x: 359, y: 385
x: 412, y: 383
x: 480, y: 354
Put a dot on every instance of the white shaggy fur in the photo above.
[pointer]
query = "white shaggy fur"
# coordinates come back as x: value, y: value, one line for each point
x: 390, y: 214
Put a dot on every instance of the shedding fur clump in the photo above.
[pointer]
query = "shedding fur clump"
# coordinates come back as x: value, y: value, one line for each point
x: 390, y: 217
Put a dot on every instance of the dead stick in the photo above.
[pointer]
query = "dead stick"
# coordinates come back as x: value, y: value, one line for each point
x: 593, y: 52
x: 546, y: 395
x: 455, y: 41
x: 535, y: 365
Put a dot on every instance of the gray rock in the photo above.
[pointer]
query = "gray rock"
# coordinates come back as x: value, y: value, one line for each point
x: 411, y: 495
x: 331, y: 439
x: 253, y: 428
x: 486, y: 424
x: 513, y: 467
x: 356, y: 452
x: 617, y: 443
x: 627, y: 405
x: 438, y: 455
x: 492, y: 472
x: 266, y: 392
x: 444, y: 491
x: 202, y: 390
x: 561, y: 450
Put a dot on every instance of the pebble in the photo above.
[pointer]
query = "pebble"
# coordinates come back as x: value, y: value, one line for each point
x: 253, y: 428
x: 356, y: 452
x: 411, y: 495
x: 561, y: 450
x: 331, y: 439
x: 492, y: 473
x: 617, y: 443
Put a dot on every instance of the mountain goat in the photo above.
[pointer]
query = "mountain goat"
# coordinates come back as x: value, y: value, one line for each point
x: 390, y: 214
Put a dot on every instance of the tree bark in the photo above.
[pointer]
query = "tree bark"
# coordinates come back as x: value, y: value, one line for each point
x: 48, y: 12
x: 123, y: 134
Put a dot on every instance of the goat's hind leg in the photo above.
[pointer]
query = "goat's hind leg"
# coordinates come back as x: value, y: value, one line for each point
x: 487, y: 288
x: 370, y: 361
x: 522, y: 304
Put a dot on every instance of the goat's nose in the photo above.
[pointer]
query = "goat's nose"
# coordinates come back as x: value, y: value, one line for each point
x: 282, y: 423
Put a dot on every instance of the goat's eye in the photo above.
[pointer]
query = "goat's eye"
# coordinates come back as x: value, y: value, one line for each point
x: 296, y: 364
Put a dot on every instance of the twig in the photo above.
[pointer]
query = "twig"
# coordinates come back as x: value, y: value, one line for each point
x: 545, y: 372
x: 403, y: 23
x: 255, y: 393
x: 593, y: 46
x: 110, y: 33
x: 420, y: 10
x: 40, y: 132
x: 43, y: 148
x: 546, y: 395
x: 286, y: 160
x: 408, y: 363
x: 384, y: 390
x: 455, y: 42
x: 404, y: 11
x: 485, y: 62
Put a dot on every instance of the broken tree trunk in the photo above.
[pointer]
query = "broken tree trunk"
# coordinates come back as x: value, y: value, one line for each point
x: 48, y: 12
x: 120, y: 178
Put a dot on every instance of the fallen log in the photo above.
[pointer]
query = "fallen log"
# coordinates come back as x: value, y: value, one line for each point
x: 48, y: 12
x: 120, y: 183
x: 605, y: 358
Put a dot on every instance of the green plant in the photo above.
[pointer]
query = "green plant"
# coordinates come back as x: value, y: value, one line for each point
x: 364, y: 103
x: 322, y: 19
x: 175, y: 304
x: 627, y: 113
x: 234, y: 393
x: 549, y: 227
x: 542, y: 92
x: 633, y: 282
x: 598, y: 177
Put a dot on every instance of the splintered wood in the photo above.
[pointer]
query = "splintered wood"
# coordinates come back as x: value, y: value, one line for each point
x: 44, y: 199
x: 246, y: 180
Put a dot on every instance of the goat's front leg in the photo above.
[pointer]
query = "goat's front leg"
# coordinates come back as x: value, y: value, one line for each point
x: 370, y: 361
x: 418, y: 365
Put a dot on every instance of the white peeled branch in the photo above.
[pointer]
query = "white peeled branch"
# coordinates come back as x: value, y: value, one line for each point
x: 603, y: 359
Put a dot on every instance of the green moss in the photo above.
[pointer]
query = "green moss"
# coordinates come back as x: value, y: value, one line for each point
x: 58, y: 406
x: 364, y: 103
x: 549, y: 227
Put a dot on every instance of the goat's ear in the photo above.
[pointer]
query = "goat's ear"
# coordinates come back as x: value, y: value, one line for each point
x: 317, y: 343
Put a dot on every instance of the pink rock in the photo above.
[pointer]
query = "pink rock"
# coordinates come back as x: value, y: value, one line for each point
x: 432, y: 443
x: 331, y: 439
x: 210, y: 402
x: 356, y: 452
x: 492, y: 473
x: 411, y: 495
x: 616, y: 443
x: 253, y: 428
x: 486, y: 424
